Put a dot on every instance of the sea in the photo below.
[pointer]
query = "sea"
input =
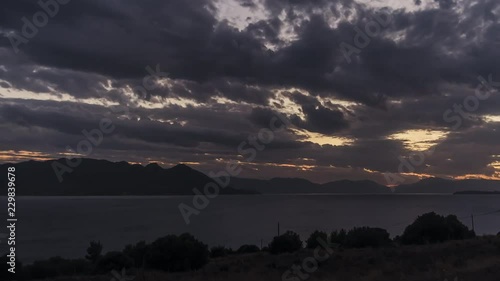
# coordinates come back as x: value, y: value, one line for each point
x: 64, y: 226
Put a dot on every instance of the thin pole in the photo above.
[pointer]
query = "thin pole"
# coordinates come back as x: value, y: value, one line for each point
x: 473, y: 227
x: 278, y: 229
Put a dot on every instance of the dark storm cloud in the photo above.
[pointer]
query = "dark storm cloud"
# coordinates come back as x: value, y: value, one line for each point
x: 33, y: 78
x: 318, y: 118
x: 186, y: 40
x: 465, y: 152
x: 71, y: 119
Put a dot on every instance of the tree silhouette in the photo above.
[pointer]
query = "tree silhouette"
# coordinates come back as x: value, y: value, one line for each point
x: 313, y: 240
x: 94, y: 251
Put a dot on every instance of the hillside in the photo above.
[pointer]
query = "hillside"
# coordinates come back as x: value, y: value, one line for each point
x: 466, y: 260
x: 101, y: 177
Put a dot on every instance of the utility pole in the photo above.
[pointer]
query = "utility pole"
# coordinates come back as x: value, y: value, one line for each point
x: 473, y: 227
x: 278, y: 229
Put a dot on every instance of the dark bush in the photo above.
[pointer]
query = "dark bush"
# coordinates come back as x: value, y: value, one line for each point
x: 177, y: 253
x: 288, y: 242
x: 137, y: 252
x: 397, y: 239
x: 94, y: 251
x: 113, y: 261
x: 361, y: 237
x: 312, y: 242
x: 219, y: 251
x: 245, y: 249
x: 433, y: 228
x: 338, y: 237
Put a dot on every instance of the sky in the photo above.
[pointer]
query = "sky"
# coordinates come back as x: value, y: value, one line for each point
x: 367, y: 88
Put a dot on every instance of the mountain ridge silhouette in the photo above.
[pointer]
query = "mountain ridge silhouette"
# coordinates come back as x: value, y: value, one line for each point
x: 94, y: 177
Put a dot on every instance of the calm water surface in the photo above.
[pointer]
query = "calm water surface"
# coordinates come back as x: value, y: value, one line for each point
x: 63, y: 226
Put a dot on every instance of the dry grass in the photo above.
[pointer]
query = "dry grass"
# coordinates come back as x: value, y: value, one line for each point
x: 475, y: 260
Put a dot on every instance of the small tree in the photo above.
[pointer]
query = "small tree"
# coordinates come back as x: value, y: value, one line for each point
x: 94, y: 251
x: 434, y: 228
x: 312, y: 242
x: 288, y: 242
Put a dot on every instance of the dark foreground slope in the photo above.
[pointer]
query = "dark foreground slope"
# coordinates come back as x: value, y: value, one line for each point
x: 468, y: 260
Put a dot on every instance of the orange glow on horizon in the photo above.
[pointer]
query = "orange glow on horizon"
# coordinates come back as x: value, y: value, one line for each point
x: 305, y: 164
x: 477, y: 176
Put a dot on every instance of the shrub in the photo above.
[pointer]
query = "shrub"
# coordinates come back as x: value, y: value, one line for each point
x: 177, y: 253
x: 338, y: 237
x: 113, y: 261
x: 244, y: 249
x: 361, y: 237
x: 137, y: 252
x: 219, y: 251
x: 288, y: 242
x: 94, y: 251
x: 312, y: 242
x: 433, y: 228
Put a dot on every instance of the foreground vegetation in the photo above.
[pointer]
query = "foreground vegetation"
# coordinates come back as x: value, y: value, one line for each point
x: 358, y: 254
